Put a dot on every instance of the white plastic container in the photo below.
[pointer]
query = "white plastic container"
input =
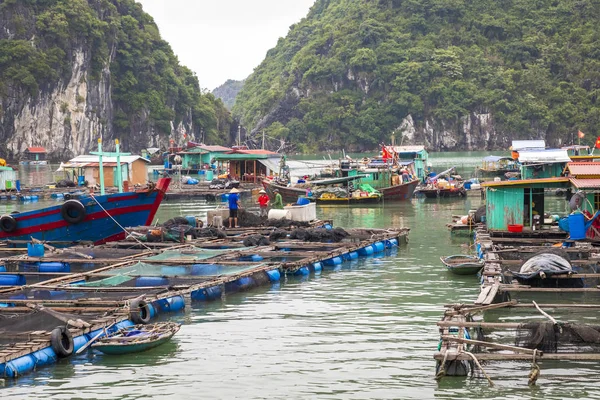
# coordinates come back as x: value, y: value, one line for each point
x: 305, y: 213
x: 279, y: 214
x: 475, y: 186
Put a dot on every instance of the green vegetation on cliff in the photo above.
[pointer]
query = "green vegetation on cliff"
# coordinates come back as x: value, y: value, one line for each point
x: 147, y: 82
x: 228, y: 91
x: 349, y: 73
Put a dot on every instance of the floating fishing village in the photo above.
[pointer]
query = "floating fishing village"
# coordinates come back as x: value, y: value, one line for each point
x: 95, y: 273
x: 312, y: 199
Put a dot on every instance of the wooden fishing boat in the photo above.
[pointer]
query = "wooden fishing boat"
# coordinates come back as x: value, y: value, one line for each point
x: 136, y: 338
x: 433, y: 193
x: 326, y: 198
x: 462, y: 264
x: 92, y: 218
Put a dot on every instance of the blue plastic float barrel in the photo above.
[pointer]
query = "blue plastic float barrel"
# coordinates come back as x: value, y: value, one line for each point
x: 302, y: 271
x: 317, y: 267
x: 391, y: 243
x: 366, y: 251
x: 2, y: 268
x: 54, y: 267
x: 333, y: 261
x: 253, y: 257
x: 12, y: 280
x: 205, y: 269
x: 146, y: 281
x: 378, y: 247
x: 274, y: 275
x: 207, y: 294
x: 170, y: 304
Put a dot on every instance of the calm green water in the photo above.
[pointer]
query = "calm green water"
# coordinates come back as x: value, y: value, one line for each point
x: 365, y: 331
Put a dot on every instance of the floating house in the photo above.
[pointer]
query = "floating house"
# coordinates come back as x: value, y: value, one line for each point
x: 34, y: 156
x: 201, y: 155
x: 543, y: 163
x: 86, y: 168
x: 248, y: 165
x: 516, y: 202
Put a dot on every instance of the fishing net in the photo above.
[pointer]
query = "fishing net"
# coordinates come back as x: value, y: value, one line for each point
x: 286, y: 223
x: 256, y: 240
x: 319, y: 235
x: 479, y: 214
x: 247, y: 218
x: 278, y: 234
x: 547, y: 336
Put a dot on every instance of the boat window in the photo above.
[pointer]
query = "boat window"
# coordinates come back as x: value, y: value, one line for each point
x: 375, y: 176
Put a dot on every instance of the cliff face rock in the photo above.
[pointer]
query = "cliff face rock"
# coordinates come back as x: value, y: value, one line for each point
x: 66, y: 120
x: 453, y: 75
x: 72, y: 71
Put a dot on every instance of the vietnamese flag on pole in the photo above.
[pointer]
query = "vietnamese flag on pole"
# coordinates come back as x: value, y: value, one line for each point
x: 580, y: 134
x: 385, y: 154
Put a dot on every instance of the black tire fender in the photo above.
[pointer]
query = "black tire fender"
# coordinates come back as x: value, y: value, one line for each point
x: 139, y: 312
x: 73, y: 211
x: 61, y: 341
x: 8, y: 223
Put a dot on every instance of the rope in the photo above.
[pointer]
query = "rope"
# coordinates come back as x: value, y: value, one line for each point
x: 442, y: 371
x: 480, y: 367
x: 534, y: 374
x: 117, y: 222
x: 545, y: 314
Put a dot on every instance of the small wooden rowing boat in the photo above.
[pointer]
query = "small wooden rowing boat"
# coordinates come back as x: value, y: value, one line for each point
x: 136, y: 338
x: 462, y: 264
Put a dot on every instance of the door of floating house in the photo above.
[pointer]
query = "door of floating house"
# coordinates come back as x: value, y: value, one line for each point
x: 504, y: 207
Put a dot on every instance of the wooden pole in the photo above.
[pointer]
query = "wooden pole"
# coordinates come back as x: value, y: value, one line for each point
x: 488, y: 344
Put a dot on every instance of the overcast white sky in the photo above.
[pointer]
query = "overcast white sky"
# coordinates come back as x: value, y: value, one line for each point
x: 224, y: 39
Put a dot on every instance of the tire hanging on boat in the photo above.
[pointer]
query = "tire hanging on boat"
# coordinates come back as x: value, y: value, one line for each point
x: 73, y: 211
x: 139, y: 312
x: 8, y: 223
x: 61, y: 341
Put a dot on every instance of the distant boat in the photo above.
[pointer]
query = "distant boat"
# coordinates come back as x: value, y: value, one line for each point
x: 462, y: 264
x: 136, y: 338
x: 433, y: 193
x: 497, y: 166
x: 96, y: 219
x: 332, y: 199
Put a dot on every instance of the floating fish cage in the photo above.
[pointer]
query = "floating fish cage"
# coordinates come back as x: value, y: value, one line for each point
x: 539, y: 295
x: 52, y: 306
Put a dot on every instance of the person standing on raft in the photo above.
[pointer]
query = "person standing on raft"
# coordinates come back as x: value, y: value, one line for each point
x: 263, y: 202
x: 278, y: 203
x: 234, y: 205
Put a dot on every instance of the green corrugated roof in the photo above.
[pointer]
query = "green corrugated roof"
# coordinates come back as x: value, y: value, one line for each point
x: 239, y: 156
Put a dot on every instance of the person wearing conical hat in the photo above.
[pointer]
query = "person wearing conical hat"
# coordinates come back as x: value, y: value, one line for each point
x: 263, y: 202
x: 234, y: 205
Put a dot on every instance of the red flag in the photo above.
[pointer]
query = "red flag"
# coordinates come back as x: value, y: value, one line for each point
x: 580, y: 134
x: 386, y: 154
x: 598, y: 142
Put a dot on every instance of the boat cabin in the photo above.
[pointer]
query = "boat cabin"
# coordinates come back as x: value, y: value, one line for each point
x: 417, y: 155
x: 581, y: 153
x: 498, y: 165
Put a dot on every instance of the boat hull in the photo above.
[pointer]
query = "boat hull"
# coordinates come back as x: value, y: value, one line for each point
x: 443, y: 193
x: 351, y: 200
x: 462, y: 265
x: 116, y: 349
x: 288, y: 194
x: 400, y: 192
x: 104, y: 217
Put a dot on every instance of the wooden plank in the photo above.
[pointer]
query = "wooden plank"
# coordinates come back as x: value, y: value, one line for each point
x: 519, y: 357
x: 489, y: 344
x: 483, y: 294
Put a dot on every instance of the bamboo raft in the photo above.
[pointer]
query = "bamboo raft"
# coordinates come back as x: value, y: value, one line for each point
x: 113, y: 286
x: 503, y: 255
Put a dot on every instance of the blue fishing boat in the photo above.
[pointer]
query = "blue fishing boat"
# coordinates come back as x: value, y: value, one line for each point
x: 136, y: 338
x: 462, y: 264
x: 98, y: 219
